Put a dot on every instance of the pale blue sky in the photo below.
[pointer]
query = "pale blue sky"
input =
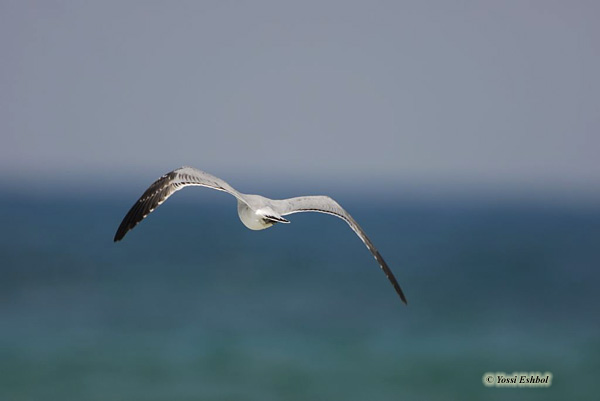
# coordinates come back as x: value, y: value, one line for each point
x: 503, y: 93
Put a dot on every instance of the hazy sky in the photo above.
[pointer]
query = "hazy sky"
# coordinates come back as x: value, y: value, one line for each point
x: 504, y: 92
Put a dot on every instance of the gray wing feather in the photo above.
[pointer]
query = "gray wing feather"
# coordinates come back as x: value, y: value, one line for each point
x: 166, y: 186
x: 324, y: 204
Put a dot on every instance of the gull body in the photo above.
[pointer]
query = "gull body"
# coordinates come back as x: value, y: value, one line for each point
x: 256, y: 212
x: 260, y: 217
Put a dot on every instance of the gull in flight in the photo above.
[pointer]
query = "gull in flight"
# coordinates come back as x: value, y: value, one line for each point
x: 255, y: 211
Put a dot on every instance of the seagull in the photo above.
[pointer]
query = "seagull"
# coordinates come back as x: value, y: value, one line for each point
x: 256, y: 212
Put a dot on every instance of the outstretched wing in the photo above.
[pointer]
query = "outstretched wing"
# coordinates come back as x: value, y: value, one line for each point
x: 324, y: 204
x: 166, y: 186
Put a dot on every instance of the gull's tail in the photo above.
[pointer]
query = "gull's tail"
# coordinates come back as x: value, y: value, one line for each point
x: 276, y: 219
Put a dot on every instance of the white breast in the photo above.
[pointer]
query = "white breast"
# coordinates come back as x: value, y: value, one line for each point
x: 251, y: 219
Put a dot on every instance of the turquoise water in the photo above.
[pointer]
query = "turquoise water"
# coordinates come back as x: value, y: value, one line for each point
x: 199, y: 307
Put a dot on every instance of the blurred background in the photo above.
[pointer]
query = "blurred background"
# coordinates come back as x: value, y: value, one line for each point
x: 462, y: 136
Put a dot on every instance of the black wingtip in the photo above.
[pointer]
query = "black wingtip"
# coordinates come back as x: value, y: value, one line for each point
x: 398, y: 290
x: 403, y: 298
x: 118, y: 236
x: 121, y: 231
x: 394, y: 282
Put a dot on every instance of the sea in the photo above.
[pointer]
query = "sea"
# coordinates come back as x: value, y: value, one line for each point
x: 191, y: 305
